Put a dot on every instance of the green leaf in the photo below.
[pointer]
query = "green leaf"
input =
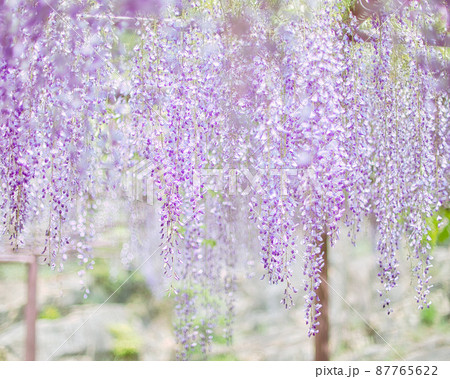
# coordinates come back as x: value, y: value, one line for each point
x: 209, y: 243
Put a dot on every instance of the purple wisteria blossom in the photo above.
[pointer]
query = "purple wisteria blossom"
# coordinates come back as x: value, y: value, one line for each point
x: 333, y: 125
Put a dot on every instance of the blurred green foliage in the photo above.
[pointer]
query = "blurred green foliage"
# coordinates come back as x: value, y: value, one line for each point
x: 209, y: 242
x: 13, y: 271
x: 440, y: 228
x: 223, y: 357
x: 127, y: 344
x: 126, y: 285
x: 429, y: 316
x: 217, y: 338
x: 50, y: 312
x: 130, y: 39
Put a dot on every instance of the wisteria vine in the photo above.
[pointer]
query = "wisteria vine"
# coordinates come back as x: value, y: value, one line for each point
x: 306, y: 119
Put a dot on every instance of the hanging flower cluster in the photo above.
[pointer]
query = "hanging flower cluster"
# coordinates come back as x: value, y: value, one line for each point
x: 50, y: 99
x: 303, y: 123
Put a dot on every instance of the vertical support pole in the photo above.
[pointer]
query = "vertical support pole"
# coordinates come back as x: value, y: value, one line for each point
x: 322, y: 349
x: 31, y: 311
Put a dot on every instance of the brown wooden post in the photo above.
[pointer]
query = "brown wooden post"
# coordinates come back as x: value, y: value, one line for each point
x: 31, y: 308
x: 31, y: 311
x: 322, y: 349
